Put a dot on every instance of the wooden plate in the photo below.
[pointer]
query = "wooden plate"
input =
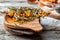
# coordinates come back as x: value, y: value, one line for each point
x: 30, y: 28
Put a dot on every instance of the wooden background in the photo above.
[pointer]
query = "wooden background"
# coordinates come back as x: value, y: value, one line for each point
x: 51, y: 26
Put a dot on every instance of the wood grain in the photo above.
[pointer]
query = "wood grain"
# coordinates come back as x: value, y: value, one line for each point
x: 50, y: 35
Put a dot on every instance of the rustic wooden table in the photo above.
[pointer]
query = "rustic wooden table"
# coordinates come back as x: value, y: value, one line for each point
x: 51, y: 26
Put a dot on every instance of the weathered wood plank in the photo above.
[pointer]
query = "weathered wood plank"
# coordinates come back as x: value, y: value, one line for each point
x: 45, y: 35
x: 50, y: 35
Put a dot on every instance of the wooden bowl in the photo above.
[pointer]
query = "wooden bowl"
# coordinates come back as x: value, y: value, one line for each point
x: 19, y: 29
